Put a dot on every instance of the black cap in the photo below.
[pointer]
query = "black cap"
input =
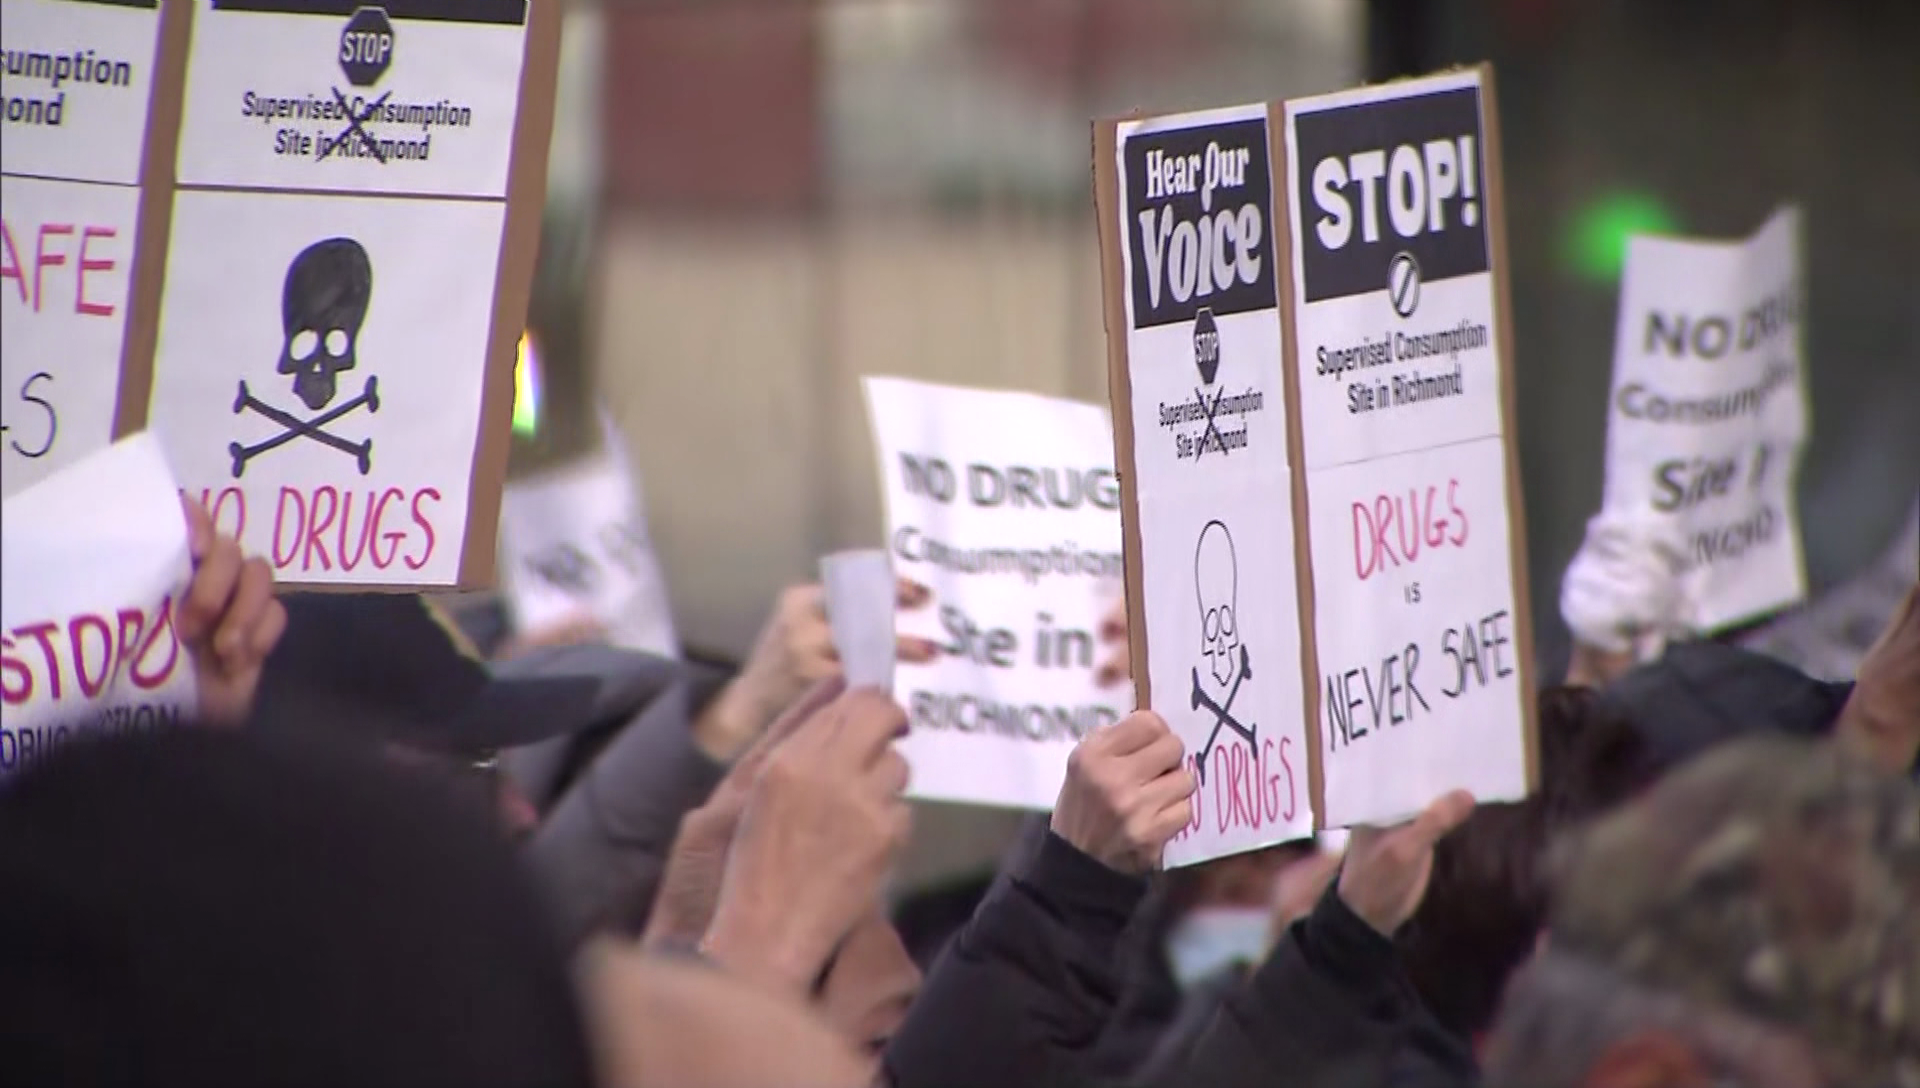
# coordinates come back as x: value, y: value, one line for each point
x: 392, y: 668
x: 1698, y: 694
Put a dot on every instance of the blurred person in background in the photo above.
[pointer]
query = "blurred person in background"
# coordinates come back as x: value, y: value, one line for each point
x: 1749, y: 923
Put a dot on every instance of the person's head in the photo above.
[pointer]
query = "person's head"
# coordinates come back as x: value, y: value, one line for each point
x: 659, y: 1023
x: 1221, y: 913
x: 196, y: 907
x: 1760, y: 899
x: 1569, y: 1023
x: 1487, y: 899
x: 870, y: 984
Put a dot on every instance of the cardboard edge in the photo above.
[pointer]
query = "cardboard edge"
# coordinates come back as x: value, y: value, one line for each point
x: 153, y: 220
x: 513, y: 288
x: 1282, y: 232
x: 1509, y: 419
x: 1106, y: 205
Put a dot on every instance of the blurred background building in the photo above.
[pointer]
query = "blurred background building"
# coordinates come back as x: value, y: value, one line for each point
x: 759, y: 201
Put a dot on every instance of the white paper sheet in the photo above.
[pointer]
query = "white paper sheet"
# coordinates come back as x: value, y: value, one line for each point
x: 354, y: 100
x: 91, y: 561
x: 574, y: 546
x: 77, y: 101
x: 861, y: 595
x: 1708, y: 414
x: 1006, y: 507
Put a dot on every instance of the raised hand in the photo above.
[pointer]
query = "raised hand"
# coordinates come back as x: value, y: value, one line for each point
x: 823, y: 825
x: 1126, y: 793
x: 229, y: 620
x: 1386, y: 870
x: 690, y: 888
x: 794, y: 651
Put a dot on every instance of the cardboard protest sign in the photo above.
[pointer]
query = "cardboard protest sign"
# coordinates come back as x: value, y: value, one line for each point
x: 574, y: 546
x: 1192, y: 256
x: 80, y: 94
x: 1003, y: 504
x: 1343, y: 465
x: 1708, y: 415
x: 351, y: 247
x: 91, y: 561
x: 1398, y: 340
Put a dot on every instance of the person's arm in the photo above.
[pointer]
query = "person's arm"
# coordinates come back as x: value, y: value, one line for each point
x: 600, y: 852
x: 1329, y: 1006
x: 1027, y: 988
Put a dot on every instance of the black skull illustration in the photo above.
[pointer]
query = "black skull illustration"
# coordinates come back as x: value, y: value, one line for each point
x: 321, y: 308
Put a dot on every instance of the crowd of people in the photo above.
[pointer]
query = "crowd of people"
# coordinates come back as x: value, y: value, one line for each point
x: 383, y: 856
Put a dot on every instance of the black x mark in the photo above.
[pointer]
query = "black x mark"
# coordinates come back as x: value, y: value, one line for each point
x: 1213, y: 429
x: 353, y: 126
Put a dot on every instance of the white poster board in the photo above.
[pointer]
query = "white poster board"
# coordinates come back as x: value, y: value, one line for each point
x: 75, y: 96
x: 410, y: 96
x: 574, y: 547
x: 1005, y: 506
x: 352, y: 242
x: 1210, y: 468
x: 92, y: 559
x: 1708, y: 414
x: 1397, y: 340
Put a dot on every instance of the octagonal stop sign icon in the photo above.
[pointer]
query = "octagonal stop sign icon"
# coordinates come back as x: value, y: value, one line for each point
x: 366, y: 46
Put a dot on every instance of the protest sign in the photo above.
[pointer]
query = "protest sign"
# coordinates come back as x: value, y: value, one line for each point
x: 1003, y: 504
x: 351, y: 247
x: 1708, y: 414
x: 574, y: 547
x: 1398, y: 341
x: 1192, y: 254
x: 79, y: 89
x: 91, y: 561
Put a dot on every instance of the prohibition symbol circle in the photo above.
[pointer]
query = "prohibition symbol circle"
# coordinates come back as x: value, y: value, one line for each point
x: 1403, y: 283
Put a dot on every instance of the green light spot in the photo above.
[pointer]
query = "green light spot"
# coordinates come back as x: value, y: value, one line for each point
x: 1596, y: 247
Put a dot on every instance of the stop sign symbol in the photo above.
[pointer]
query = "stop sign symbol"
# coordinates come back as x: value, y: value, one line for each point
x: 366, y: 46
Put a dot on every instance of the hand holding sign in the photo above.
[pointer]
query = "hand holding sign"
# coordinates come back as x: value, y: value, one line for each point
x: 1126, y: 793
x: 1386, y: 872
x: 690, y: 889
x: 795, y: 649
x: 822, y: 829
x: 229, y: 620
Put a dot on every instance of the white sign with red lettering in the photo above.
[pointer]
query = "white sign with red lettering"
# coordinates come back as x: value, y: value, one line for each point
x: 1396, y: 306
x: 91, y: 562
x: 66, y: 255
x: 319, y: 373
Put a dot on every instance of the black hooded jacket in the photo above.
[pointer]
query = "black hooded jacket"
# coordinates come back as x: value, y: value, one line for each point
x: 1024, y: 993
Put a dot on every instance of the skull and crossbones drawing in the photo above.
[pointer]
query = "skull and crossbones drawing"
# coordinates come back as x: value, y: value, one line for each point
x: 322, y: 305
x: 1216, y: 576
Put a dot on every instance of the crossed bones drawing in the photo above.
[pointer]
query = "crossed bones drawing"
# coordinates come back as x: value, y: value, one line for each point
x: 1222, y: 713
x: 314, y: 429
